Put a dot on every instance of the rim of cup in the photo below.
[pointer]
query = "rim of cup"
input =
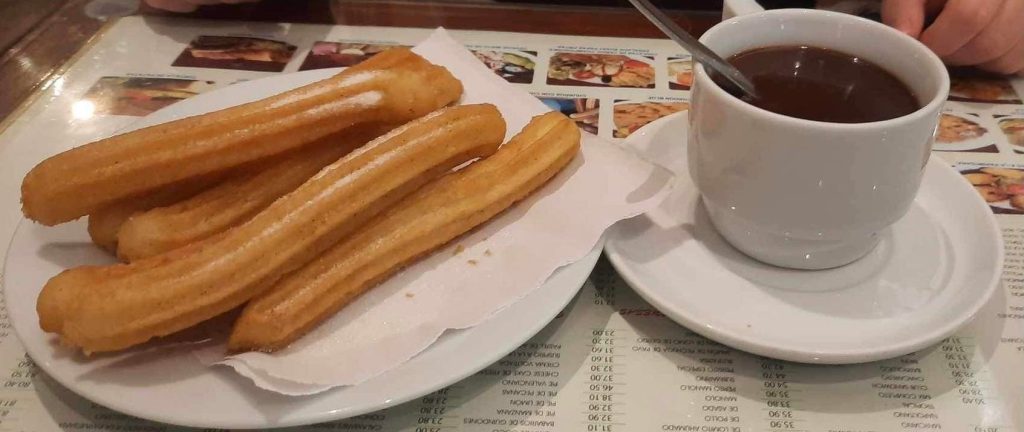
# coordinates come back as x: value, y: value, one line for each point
x: 934, y: 66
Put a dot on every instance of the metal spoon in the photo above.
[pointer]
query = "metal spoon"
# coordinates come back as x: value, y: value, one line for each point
x: 700, y: 52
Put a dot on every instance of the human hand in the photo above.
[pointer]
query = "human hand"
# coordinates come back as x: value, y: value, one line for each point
x: 189, y: 5
x: 988, y: 34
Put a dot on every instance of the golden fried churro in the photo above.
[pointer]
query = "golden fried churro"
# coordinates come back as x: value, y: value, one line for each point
x: 230, y: 203
x: 425, y: 220
x: 392, y: 87
x: 104, y: 224
x: 106, y: 308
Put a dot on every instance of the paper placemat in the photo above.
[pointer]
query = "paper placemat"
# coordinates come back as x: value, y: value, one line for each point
x: 610, y: 362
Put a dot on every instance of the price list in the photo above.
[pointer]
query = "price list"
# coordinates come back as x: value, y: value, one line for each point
x: 902, y: 382
x: 605, y: 382
x: 779, y: 397
x: 1013, y: 282
x: 432, y: 411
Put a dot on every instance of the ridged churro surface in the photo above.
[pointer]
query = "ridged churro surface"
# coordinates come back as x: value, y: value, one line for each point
x: 105, y: 223
x: 236, y: 200
x: 422, y: 222
x: 392, y: 87
x: 106, y: 308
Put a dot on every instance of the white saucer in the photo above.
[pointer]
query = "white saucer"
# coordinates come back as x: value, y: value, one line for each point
x: 930, y: 274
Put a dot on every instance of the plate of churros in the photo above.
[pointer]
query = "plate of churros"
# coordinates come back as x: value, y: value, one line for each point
x: 313, y: 246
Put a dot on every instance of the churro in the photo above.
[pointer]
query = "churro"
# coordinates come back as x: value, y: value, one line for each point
x: 392, y: 87
x: 424, y: 221
x: 230, y: 203
x: 107, y: 308
x: 106, y: 223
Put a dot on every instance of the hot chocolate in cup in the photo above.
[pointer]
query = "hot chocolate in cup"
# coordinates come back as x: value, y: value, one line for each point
x: 802, y: 193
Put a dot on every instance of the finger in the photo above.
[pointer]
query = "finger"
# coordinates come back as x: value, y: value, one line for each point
x: 999, y: 37
x: 906, y: 16
x: 172, y: 5
x: 958, y: 23
x: 203, y: 2
x: 1010, y: 63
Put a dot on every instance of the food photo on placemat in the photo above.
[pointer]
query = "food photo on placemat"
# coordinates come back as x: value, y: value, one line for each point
x: 1002, y: 188
x: 970, y: 85
x: 1013, y: 128
x: 680, y: 73
x: 600, y: 70
x: 629, y: 116
x: 584, y: 111
x: 137, y: 96
x: 236, y: 52
x: 963, y: 132
x: 514, y: 66
x: 341, y: 54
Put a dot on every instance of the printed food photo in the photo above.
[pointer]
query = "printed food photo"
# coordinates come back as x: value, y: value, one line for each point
x: 680, y: 73
x: 1001, y: 188
x: 584, y: 111
x: 139, y: 96
x: 340, y: 54
x: 963, y: 132
x: 234, y: 52
x: 630, y: 116
x: 513, y: 66
x: 972, y: 86
x: 1013, y: 128
x: 603, y: 70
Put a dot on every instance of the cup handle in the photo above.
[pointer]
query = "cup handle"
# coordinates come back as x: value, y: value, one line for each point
x: 734, y: 8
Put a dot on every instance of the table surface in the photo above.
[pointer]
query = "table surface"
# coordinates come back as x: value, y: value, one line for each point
x: 648, y: 373
x: 43, y: 35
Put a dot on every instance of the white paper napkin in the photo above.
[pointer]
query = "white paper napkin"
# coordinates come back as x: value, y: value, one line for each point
x: 513, y: 254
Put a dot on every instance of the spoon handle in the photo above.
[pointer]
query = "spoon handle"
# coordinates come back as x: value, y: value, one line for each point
x: 699, y: 51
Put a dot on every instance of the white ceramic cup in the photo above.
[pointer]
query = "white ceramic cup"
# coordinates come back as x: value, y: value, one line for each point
x: 800, y: 193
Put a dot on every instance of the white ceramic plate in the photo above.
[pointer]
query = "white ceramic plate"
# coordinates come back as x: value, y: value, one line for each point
x: 932, y: 272
x: 171, y: 386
